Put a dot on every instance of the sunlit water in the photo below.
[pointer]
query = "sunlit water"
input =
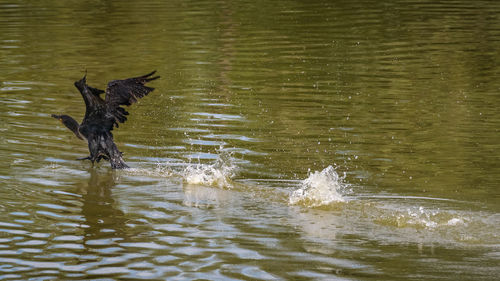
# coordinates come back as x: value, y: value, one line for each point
x: 284, y: 141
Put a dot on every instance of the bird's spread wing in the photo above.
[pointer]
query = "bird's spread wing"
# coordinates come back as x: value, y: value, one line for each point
x: 126, y: 92
x: 90, y: 95
x: 95, y: 91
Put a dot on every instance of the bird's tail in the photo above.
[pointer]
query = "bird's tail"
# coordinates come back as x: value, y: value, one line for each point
x: 102, y: 146
x: 117, y: 162
x: 115, y: 157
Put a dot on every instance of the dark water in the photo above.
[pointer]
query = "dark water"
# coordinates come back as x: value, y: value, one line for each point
x: 286, y: 140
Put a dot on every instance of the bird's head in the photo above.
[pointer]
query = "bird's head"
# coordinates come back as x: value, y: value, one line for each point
x: 69, y: 122
x: 58, y: 117
x: 65, y: 119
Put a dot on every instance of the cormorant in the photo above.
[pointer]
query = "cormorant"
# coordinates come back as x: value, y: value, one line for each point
x: 101, y: 115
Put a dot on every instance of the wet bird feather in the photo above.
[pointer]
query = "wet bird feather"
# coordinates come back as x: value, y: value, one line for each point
x: 102, y: 115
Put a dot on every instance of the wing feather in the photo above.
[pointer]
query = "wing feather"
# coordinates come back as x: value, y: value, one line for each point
x: 91, y: 96
x: 126, y: 92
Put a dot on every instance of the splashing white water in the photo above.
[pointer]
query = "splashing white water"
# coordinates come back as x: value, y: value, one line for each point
x: 217, y: 174
x: 419, y: 217
x: 319, y: 189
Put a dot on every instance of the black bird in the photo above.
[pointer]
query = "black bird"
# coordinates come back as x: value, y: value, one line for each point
x: 101, y: 115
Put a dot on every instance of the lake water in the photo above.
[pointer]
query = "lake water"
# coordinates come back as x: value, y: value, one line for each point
x: 285, y: 140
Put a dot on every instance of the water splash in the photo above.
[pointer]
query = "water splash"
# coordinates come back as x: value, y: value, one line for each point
x: 319, y: 189
x: 218, y: 174
x: 421, y: 218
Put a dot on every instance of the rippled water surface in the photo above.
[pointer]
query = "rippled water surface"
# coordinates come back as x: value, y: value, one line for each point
x: 286, y: 140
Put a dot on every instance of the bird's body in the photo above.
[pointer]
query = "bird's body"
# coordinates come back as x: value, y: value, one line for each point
x: 101, y: 115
